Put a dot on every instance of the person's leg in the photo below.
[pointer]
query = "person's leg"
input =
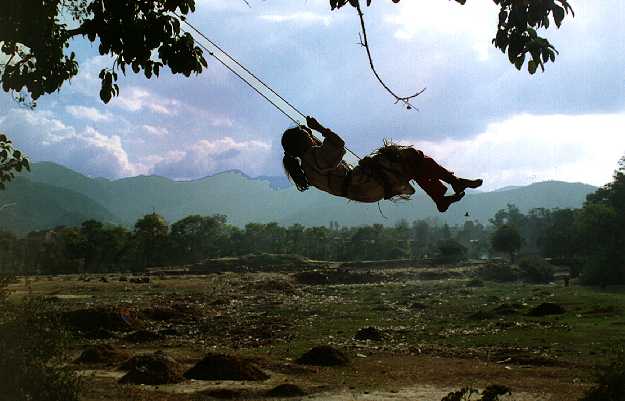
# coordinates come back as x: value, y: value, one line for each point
x: 424, y: 168
x: 434, y: 188
x: 436, y: 191
x: 428, y: 174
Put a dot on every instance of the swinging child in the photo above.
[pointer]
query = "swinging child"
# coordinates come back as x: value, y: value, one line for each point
x: 385, y: 174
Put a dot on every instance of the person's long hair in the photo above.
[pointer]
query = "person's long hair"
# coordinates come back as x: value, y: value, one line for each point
x: 294, y: 143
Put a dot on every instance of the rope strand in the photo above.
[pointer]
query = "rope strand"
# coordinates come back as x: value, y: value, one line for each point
x: 242, y: 66
x: 225, y: 53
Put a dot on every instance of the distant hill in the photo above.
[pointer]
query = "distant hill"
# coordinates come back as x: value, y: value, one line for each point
x: 33, y: 206
x: 243, y: 200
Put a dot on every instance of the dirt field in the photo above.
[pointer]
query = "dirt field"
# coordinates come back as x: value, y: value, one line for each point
x: 405, y: 337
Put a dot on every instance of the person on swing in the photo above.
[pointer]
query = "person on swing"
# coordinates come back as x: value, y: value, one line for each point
x: 386, y: 174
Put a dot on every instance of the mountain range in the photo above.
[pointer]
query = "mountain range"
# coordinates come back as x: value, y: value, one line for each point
x: 52, y: 195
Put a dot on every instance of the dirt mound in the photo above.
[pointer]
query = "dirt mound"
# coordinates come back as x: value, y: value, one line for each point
x: 173, y: 313
x: 152, y: 369
x: 323, y: 355
x: 482, y: 315
x: 507, y: 309
x: 143, y: 336
x: 438, y: 275
x: 274, y: 285
x: 100, y: 322
x: 546, y: 308
x: 224, y: 393
x: 369, y: 333
x: 418, y: 306
x: 286, y: 390
x: 103, y: 353
x: 225, y: 367
x: 255, y: 263
x: 321, y: 277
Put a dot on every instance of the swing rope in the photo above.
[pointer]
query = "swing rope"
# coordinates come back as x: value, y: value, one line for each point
x: 241, y: 77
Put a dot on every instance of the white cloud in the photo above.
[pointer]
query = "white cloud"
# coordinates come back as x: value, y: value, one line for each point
x: 89, y: 113
x: 206, y: 157
x: 444, y: 20
x: 528, y: 148
x: 304, y: 17
x: 154, y: 130
x: 42, y: 136
x: 87, y: 81
x: 134, y: 98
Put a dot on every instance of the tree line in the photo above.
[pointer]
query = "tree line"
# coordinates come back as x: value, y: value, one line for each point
x: 590, y: 239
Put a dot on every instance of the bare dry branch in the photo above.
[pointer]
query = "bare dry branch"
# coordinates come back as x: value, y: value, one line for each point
x: 365, y: 43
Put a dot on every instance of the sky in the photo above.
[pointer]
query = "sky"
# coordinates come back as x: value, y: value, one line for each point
x: 479, y: 116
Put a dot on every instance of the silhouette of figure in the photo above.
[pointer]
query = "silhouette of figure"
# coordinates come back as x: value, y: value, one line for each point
x: 385, y: 174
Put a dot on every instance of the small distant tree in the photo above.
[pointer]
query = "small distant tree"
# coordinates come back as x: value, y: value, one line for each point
x: 560, y: 239
x: 196, y: 237
x: 151, y: 238
x: 506, y: 239
x: 450, y: 251
x: 534, y: 269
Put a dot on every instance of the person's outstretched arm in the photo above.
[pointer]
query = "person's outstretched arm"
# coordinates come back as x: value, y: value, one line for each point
x: 326, y: 132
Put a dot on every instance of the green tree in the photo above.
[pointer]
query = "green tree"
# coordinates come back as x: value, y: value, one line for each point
x: 450, y: 251
x: 9, y: 253
x: 151, y: 235
x: 511, y: 216
x: 506, y: 239
x: 601, y: 224
x: 421, y: 233
x: 560, y: 238
x: 37, y: 37
x: 196, y: 237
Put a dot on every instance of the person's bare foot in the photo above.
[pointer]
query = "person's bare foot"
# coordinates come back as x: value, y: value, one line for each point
x: 462, y: 184
x: 443, y: 204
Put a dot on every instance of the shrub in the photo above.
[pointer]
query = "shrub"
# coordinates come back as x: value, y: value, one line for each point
x: 33, y: 347
x: 450, y: 251
x: 534, y: 269
x: 499, y: 272
x: 610, y: 382
x: 490, y: 393
x: 5, y: 280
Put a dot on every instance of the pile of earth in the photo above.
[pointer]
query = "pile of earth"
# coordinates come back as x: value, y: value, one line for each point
x: 369, y: 333
x: 438, y: 275
x: 286, y: 390
x: 545, y: 309
x: 321, y: 277
x: 258, y: 262
x: 323, y: 355
x: 500, y: 310
x: 273, y: 285
x: 177, y: 312
x: 152, y: 369
x: 102, y: 321
x: 225, y: 367
x: 103, y: 353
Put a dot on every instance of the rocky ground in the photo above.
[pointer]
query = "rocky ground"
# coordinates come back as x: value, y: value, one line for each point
x: 402, y: 333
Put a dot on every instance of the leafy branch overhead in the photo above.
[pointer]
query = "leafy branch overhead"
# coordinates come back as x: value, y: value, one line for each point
x: 142, y: 35
x: 11, y: 161
x: 517, y: 28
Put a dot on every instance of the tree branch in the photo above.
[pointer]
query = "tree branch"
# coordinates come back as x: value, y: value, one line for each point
x: 365, y: 43
x: 70, y: 33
